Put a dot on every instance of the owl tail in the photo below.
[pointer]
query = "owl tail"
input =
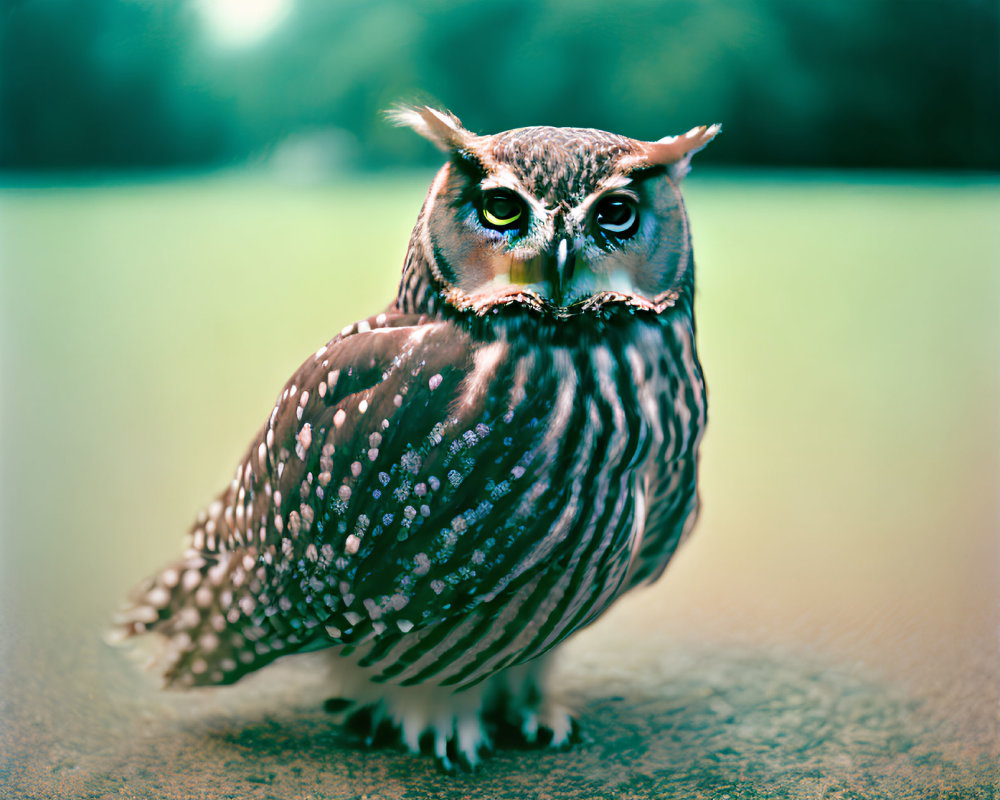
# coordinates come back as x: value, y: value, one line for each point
x: 205, y: 610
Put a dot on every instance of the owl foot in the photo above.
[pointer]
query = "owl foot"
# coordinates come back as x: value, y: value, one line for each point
x: 555, y: 727
x: 457, y: 737
x: 552, y: 726
x: 524, y: 716
x: 457, y: 741
x: 508, y: 709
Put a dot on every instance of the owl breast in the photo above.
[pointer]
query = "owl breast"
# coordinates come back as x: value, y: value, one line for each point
x: 566, y: 445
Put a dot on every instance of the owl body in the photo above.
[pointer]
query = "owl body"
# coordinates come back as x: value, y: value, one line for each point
x: 447, y: 490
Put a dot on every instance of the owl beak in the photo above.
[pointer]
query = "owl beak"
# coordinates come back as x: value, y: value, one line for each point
x: 564, y: 267
x: 554, y: 270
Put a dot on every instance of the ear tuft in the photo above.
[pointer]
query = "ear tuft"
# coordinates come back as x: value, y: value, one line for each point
x: 443, y: 128
x: 674, y: 152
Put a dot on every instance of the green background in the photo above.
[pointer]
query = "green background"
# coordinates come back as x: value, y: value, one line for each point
x: 92, y: 84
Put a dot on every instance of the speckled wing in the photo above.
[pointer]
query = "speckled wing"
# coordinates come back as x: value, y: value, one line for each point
x: 449, y: 504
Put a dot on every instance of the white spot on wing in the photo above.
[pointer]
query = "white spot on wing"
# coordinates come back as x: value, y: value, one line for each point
x: 158, y: 596
x: 304, y: 441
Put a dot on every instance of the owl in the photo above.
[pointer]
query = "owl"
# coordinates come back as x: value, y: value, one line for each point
x: 445, y: 491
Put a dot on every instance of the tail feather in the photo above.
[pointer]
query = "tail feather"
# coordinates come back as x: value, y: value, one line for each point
x: 207, y: 611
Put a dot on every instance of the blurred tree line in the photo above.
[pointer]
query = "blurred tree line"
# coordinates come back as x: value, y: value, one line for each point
x: 95, y: 84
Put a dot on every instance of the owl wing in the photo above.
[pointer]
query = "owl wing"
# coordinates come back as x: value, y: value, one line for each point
x: 672, y: 480
x: 673, y: 497
x: 414, y: 484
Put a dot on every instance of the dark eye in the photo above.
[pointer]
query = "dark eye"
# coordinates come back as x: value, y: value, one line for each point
x: 502, y: 210
x: 617, y: 216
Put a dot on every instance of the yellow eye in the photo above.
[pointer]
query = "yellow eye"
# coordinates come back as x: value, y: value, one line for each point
x: 502, y: 210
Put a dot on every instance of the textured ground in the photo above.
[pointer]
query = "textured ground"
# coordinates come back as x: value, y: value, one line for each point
x: 660, y: 719
x: 829, y: 632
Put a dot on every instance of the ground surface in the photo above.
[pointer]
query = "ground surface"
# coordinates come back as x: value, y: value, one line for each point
x: 829, y: 632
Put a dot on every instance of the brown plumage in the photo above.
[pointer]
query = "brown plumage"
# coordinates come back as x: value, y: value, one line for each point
x: 447, y: 490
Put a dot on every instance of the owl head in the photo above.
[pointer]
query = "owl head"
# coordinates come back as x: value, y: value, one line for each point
x: 564, y: 221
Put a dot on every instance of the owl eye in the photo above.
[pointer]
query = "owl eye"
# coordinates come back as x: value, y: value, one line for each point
x: 617, y: 216
x: 502, y: 210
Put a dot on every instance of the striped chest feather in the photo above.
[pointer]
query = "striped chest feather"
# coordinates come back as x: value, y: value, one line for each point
x: 441, y: 471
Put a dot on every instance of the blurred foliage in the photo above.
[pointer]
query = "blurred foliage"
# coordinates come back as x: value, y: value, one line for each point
x: 139, y: 83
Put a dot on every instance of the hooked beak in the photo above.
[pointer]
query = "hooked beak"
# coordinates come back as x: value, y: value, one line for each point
x: 565, y: 264
x: 554, y: 269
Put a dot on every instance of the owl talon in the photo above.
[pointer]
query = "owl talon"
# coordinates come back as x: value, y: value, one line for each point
x: 562, y: 729
x: 563, y: 737
x: 445, y: 764
x: 468, y: 765
x: 529, y: 728
x: 553, y: 726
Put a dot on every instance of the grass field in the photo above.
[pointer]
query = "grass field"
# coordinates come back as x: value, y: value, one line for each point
x: 847, y: 558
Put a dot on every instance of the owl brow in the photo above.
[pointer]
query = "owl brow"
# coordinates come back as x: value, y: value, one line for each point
x: 470, y: 164
x: 502, y: 177
x: 614, y: 186
x: 643, y: 172
x: 613, y: 182
x: 472, y: 169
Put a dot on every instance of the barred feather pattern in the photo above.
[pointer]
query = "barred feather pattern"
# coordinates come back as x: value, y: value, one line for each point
x: 441, y: 500
x: 445, y: 491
